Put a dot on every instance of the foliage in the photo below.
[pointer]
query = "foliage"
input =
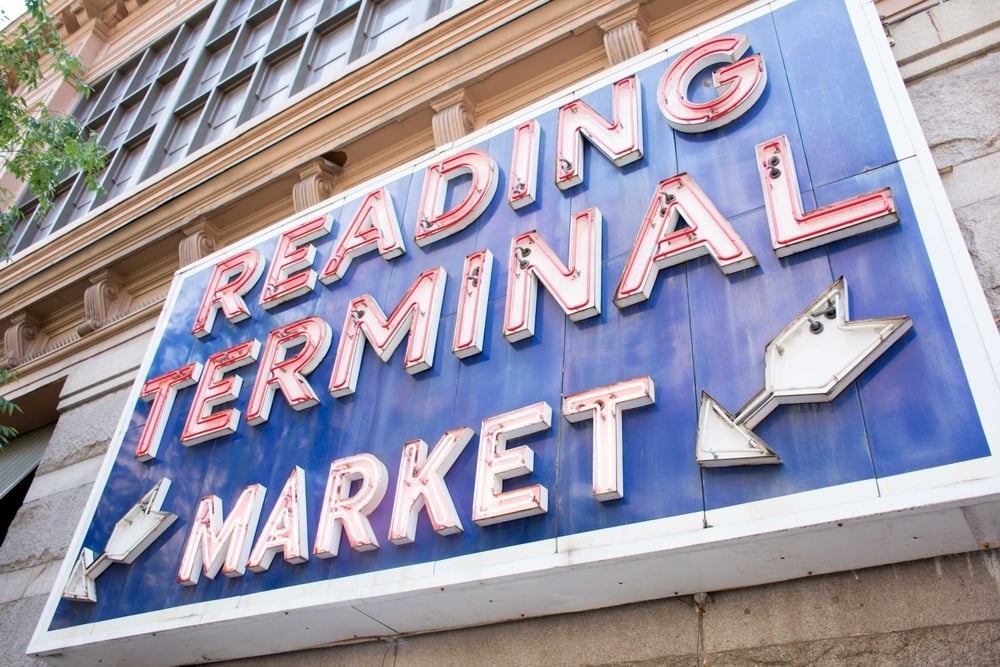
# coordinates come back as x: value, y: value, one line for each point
x: 38, y: 146
x: 7, y: 433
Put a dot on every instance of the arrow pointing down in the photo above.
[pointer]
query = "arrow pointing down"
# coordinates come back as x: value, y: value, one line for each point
x: 132, y: 534
x: 812, y: 360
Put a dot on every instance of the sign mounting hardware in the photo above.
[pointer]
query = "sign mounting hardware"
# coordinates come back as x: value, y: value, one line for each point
x: 812, y: 360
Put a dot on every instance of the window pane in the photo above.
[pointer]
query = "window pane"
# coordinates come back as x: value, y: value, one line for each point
x: 330, y: 53
x: 127, y: 170
x: 160, y: 94
x: 87, y: 105
x: 122, y: 126
x: 114, y: 91
x: 227, y: 112
x: 300, y: 18
x: 152, y: 65
x: 212, y: 70
x: 15, y: 241
x: 276, y: 83
x: 387, y: 22
x: 81, y: 203
x: 256, y: 43
x: 177, y: 144
x: 37, y: 226
x: 191, y: 39
x: 238, y: 14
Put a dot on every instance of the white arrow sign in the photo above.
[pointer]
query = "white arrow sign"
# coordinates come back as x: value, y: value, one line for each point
x: 133, y: 533
x: 812, y: 360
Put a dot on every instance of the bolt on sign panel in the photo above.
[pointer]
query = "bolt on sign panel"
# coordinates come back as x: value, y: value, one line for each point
x: 688, y: 326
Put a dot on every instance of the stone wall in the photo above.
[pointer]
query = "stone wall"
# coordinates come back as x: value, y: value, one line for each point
x: 90, y: 406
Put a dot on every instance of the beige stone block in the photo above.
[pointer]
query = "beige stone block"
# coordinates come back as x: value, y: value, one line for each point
x: 661, y: 632
x: 41, y: 531
x: 83, y: 432
x: 946, y: 590
x: 965, y: 645
x: 17, y: 623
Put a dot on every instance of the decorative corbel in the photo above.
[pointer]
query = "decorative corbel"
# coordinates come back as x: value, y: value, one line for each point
x: 104, y: 301
x: 624, y: 34
x: 316, y: 179
x: 454, y: 117
x: 23, y: 339
x: 201, y: 238
x: 69, y: 20
x: 113, y: 13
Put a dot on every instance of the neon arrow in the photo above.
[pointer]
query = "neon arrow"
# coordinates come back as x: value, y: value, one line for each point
x: 812, y: 360
x: 133, y: 533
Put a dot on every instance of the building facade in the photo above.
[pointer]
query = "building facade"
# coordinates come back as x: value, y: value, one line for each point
x: 223, y: 119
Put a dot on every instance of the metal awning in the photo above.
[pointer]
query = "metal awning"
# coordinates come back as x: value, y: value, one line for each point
x: 21, y: 456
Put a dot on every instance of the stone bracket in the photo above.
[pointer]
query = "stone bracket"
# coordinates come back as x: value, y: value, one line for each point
x: 104, y: 301
x: 23, y: 339
x: 316, y: 180
x: 201, y: 238
x: 454, y: 117
x: 625, y: 34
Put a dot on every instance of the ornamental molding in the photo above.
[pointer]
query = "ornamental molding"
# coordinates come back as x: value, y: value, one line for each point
x: 454, y: 117
x: 201, y: 239
x: 23, y: 339
x: 625, y: 34
x: 105, y: 301
x: 316, y: 181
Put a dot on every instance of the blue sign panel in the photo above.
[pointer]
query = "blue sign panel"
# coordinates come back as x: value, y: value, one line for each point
x: 691, y: 363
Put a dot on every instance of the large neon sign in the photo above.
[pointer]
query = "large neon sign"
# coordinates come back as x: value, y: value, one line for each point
x: 589, y: 294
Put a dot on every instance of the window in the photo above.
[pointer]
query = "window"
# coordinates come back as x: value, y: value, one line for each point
x: 180, y: 137
x: 226, y: 112
x: 329, y: 53
x: 236, y: 60
x: 301, y: 16
x: 387, y: 22
x: 276, y: 82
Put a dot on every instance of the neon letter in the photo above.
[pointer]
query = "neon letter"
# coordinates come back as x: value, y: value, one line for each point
x: 341, y: 509
x: 202, y: 424
x: 490, y: 503
x: 792, y: 230
x: 417, y: 313
x: 433, y: 222
x: 211, y: 546
x: 162, y: 390
x: 524, y: 165
x: 421, y: 484
x: 604, y: 406
x: 740, y: 84
x: 374, y: 226
x: 470, y: 320
x: 576, y: 288
x: 620, y: 140
x: 231, y: 279
x: 288, y: 375
x: 292, y: 254
x: 660, y: 244
x: 285, y: 528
